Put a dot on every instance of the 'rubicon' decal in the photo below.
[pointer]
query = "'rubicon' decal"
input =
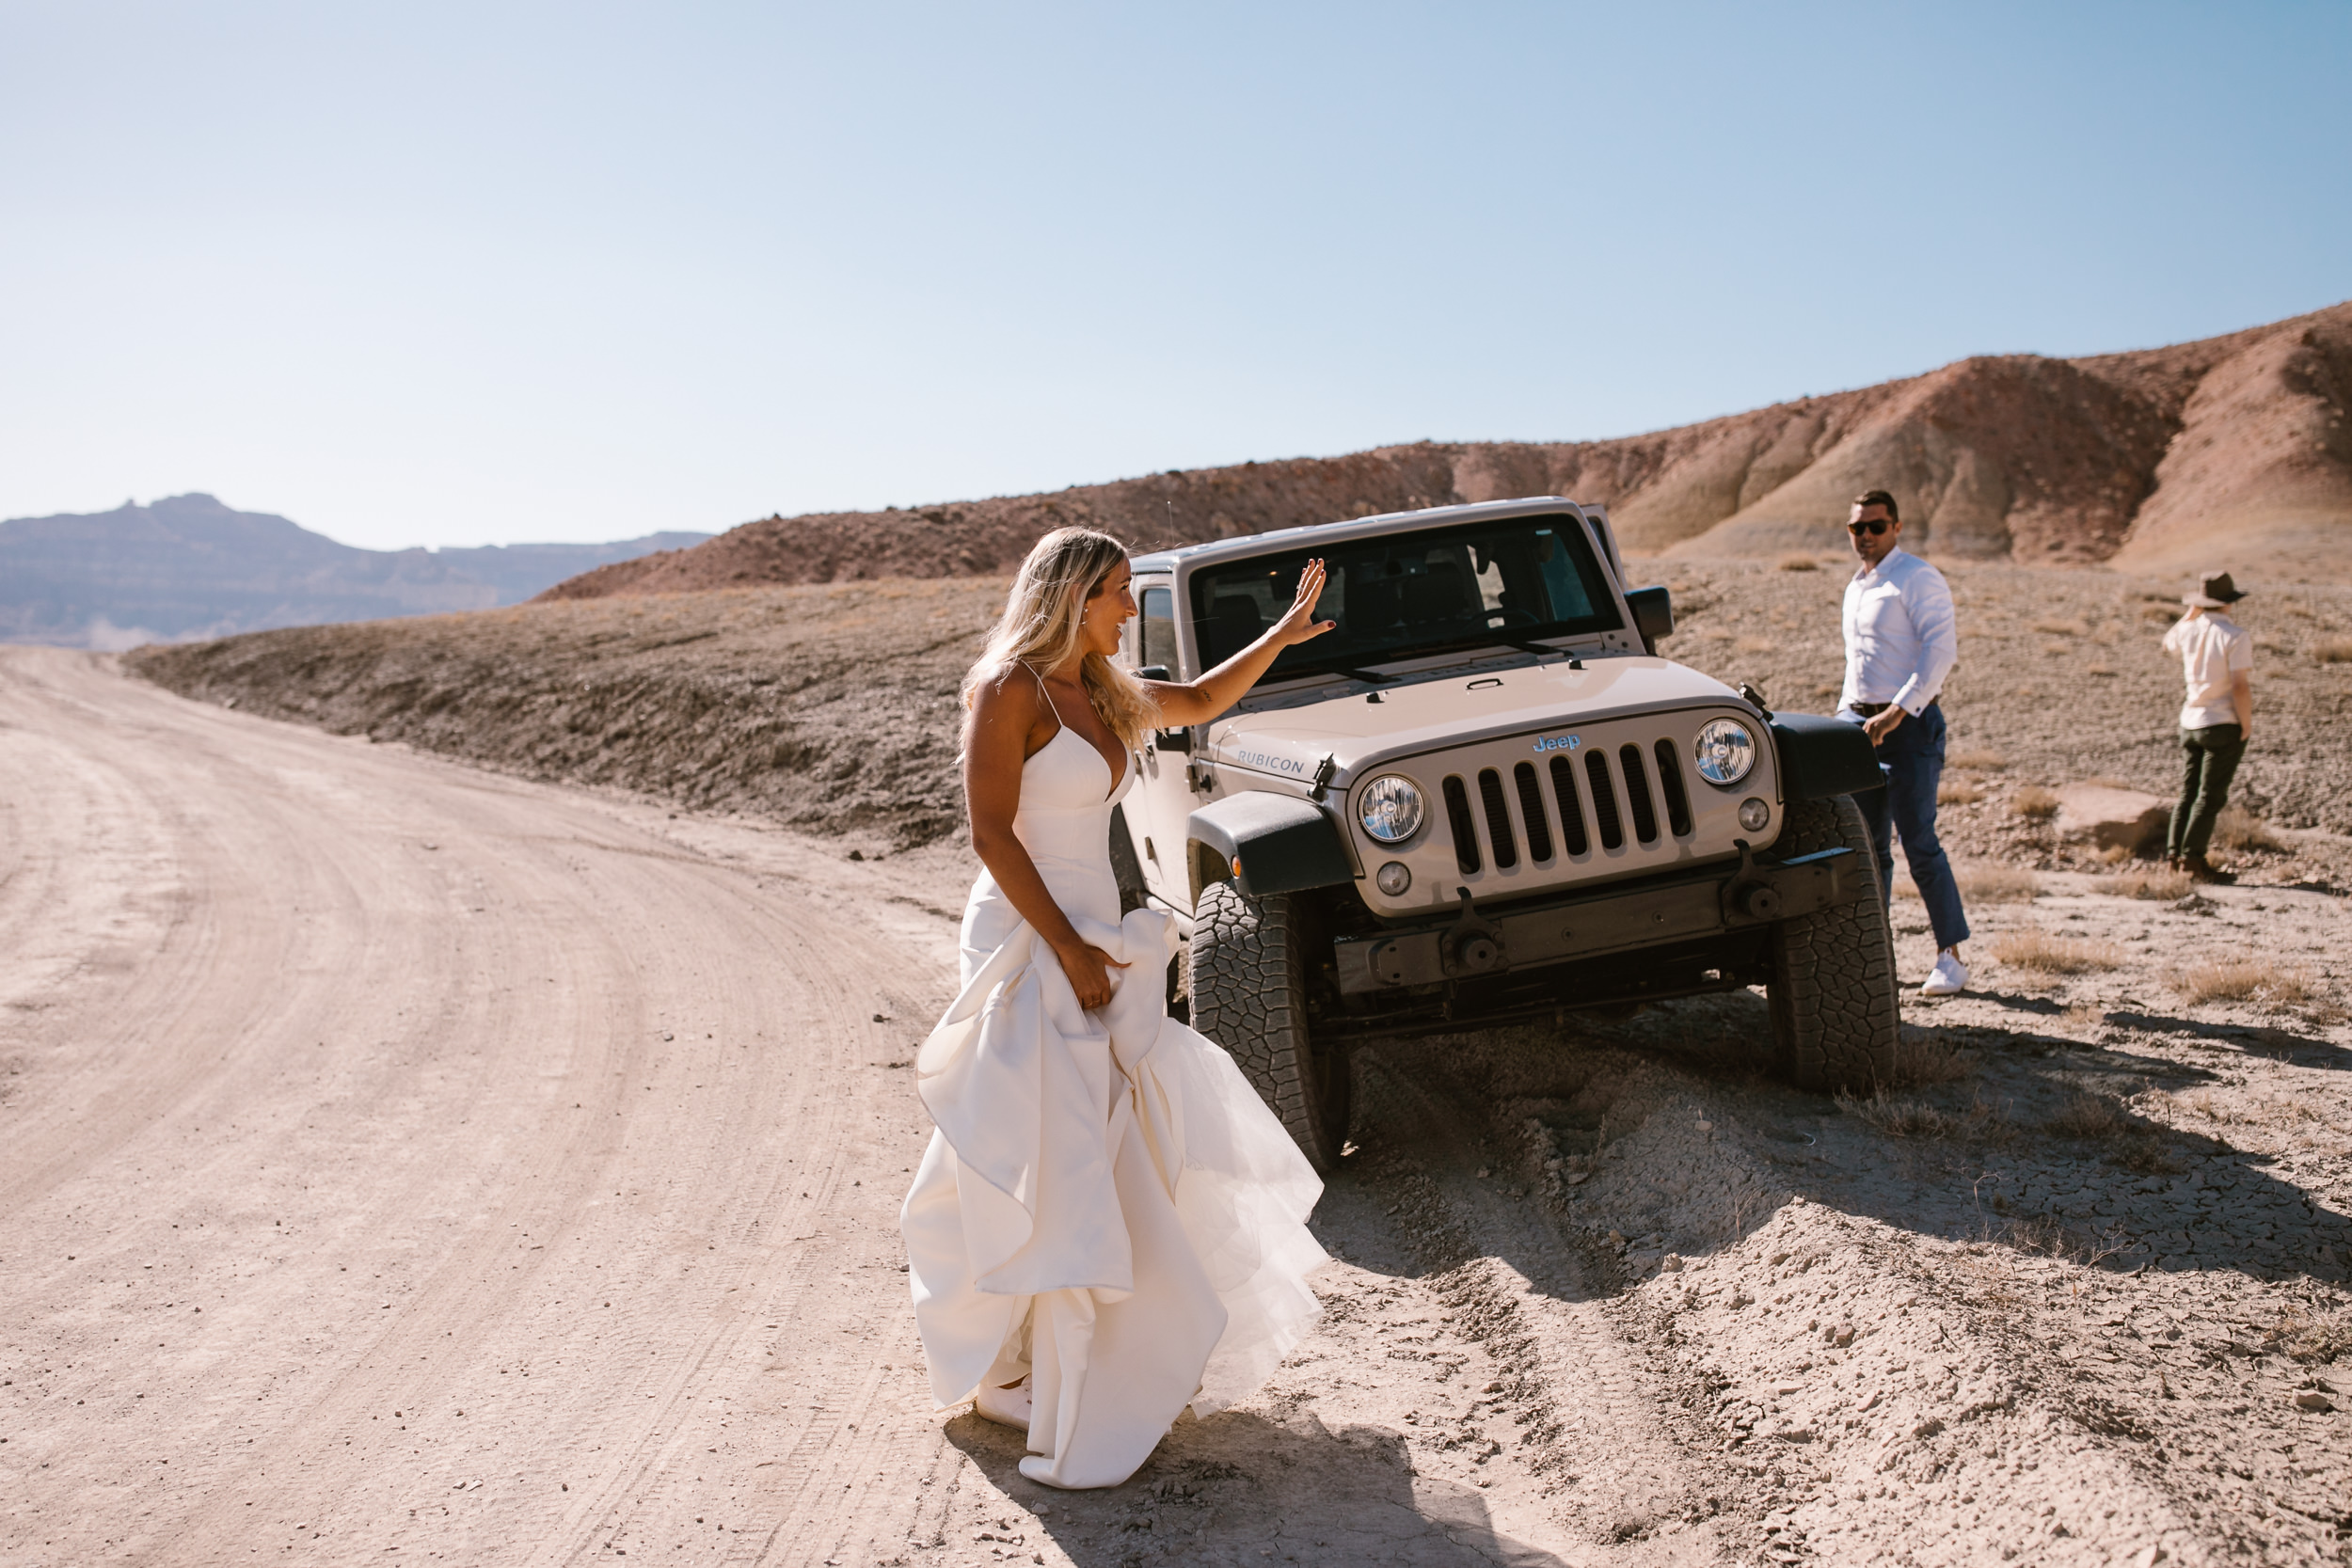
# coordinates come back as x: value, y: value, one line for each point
x: 1558, y: 742
x: 1270, y: 762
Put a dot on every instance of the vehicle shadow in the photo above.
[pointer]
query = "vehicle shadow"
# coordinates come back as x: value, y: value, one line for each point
x: 1240, y: 1489
x: 2011, y: 1135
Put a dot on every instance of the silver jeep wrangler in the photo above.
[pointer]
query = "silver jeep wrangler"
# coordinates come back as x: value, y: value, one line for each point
x: 1484, y: 797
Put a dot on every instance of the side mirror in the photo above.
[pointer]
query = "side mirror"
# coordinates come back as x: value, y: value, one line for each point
x: 1653, y: 614
x: 1154, y: 672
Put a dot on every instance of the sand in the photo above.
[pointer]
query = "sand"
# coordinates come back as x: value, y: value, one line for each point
x: 405, y: 1160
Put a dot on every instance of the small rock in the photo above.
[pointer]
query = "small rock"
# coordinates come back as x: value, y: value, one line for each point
x: 881, y: 1018
x: 857, y: 854
x: 2312, y: 1398
x: 1670, y: 1263
x: 2112, y: 817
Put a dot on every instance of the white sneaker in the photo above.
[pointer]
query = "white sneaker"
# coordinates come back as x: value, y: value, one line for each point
x: 1005, y: 1406
x: 1949, y: 976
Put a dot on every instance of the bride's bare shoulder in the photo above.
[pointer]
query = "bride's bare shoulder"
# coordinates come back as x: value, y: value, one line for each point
x: 1006, y: 694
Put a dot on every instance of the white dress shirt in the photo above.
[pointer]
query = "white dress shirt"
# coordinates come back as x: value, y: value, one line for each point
x: 2214, y: 650
x: 1902, y: 637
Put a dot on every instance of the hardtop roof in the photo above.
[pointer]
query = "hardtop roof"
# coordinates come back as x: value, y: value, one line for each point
x: 1353, y: 527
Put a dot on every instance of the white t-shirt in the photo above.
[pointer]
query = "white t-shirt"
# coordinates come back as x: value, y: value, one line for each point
x: 2213, y: 649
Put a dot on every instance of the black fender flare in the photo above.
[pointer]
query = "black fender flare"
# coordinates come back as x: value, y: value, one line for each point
x: 1821, y: 757
x: 1270, y: 844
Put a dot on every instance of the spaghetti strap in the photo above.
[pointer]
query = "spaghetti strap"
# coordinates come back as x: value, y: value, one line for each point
x: 1047, y: 693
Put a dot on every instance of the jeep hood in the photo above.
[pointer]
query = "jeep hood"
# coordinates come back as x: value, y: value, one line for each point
x: 1454, y: 710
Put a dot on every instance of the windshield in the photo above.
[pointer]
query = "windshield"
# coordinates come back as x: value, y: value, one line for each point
x: 1403, y: 595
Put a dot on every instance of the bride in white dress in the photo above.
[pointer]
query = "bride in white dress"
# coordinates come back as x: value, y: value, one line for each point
x: 1108, y: 1226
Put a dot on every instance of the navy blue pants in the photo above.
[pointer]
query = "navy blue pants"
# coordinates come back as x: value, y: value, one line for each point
x: 1912, y: 760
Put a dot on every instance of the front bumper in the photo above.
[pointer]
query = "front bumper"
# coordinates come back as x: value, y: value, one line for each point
x: 1477, y: 943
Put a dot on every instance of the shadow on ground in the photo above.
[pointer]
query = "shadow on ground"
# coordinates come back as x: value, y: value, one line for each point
x: 2018, y: 1136
x: 1240, y: 1489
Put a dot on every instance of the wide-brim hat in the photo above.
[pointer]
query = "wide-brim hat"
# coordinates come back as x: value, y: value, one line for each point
x: 2214, y: 591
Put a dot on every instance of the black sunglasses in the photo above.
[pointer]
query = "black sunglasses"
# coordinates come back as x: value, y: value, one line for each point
x: 1874, y: 525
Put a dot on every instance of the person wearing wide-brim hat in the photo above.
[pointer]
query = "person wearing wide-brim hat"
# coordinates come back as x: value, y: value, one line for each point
x: 2216, y: 720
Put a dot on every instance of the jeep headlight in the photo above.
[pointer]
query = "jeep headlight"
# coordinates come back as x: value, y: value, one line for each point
x: 1725, y: 753
x: 1390, y: 808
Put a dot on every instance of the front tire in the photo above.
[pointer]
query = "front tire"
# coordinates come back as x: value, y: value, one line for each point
x: 1835, y: 1022
x: 1249, y: 968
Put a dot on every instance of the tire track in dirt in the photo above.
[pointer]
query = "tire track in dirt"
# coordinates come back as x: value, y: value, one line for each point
x: 432, y: 1068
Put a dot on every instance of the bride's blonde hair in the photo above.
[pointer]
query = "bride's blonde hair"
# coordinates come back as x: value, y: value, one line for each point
x: 1040, y: 628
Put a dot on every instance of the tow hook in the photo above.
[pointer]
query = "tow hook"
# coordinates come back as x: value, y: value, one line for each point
x: 1748, y: 894
x: 1472, y: 944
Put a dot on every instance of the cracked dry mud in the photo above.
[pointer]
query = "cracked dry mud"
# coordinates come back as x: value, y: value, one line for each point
x: 533, y: 1157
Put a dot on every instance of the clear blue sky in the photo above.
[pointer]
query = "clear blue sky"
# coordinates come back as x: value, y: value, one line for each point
x: 427, y: 273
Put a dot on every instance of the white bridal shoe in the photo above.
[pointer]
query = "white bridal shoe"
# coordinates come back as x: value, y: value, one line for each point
x: 1949, y: 976
x: 1005, y: 1406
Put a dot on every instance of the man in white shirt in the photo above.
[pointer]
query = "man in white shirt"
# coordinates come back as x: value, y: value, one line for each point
x: 2217, y: 665
x: 1902, y: 640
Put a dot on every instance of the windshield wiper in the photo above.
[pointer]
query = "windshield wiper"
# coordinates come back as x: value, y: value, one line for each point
x: 1364, y: 675
x: 1539, y: 649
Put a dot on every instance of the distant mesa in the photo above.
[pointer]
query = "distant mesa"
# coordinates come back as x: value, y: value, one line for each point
x: 2232, y: 450
x: 187, y: 567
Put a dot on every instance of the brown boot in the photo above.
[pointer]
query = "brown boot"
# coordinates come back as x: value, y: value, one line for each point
x: 2203, y: 870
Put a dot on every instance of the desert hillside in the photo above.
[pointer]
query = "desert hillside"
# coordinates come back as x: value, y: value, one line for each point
x: 831, y: 708
x: 2232, y: 449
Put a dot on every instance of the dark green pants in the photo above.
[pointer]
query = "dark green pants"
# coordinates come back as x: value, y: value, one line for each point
x: 2209, y: 759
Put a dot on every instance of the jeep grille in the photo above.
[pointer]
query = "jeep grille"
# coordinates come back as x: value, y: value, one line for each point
x: 1618, y: 799
x: 1630, y: 775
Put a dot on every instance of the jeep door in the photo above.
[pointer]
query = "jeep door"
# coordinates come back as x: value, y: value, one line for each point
x: 1160, y: 802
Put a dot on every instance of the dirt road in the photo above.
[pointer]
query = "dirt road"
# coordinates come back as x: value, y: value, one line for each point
x: 403, y: 1162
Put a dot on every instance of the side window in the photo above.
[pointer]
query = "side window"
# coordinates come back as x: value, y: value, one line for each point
x: 1159, y: 627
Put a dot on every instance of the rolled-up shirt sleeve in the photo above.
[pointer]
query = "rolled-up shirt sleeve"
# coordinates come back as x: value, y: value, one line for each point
x: 1927, y: 600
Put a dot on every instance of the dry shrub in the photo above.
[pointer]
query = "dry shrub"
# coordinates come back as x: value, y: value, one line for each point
x: 1898, y: 1119
x: 2115, y: 854
x: 2035, y: 802
x: 2333, y: 650
x: 1997, y: 884
x: 2306, y: 1337
x: 2163, y: 886
x: 2044, y: 954
x: 1922, y: 1057
x: 1957, y: 792
x: 2241, y: 979
x: 1798, y: 564
x: 2060, y: 628
x: 1978, y: 761
x: 2159, y: 613
x: 2091, y: 1116
x: 2238, y: 830
x: 1757, y: 646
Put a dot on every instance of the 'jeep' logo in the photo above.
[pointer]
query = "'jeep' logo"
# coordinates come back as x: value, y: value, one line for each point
x: 1558, y: 743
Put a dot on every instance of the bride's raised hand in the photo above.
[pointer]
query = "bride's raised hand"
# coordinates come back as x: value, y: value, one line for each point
x: 1298, y: 622
x: 1090, y: 971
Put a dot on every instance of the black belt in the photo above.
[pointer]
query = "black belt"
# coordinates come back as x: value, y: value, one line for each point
x: 1871, y: 710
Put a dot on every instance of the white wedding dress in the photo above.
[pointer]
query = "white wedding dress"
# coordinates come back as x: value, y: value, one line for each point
x: 1107, y: 1207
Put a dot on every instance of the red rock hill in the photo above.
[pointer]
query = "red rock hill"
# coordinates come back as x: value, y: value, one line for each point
x: 2231, y: 450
